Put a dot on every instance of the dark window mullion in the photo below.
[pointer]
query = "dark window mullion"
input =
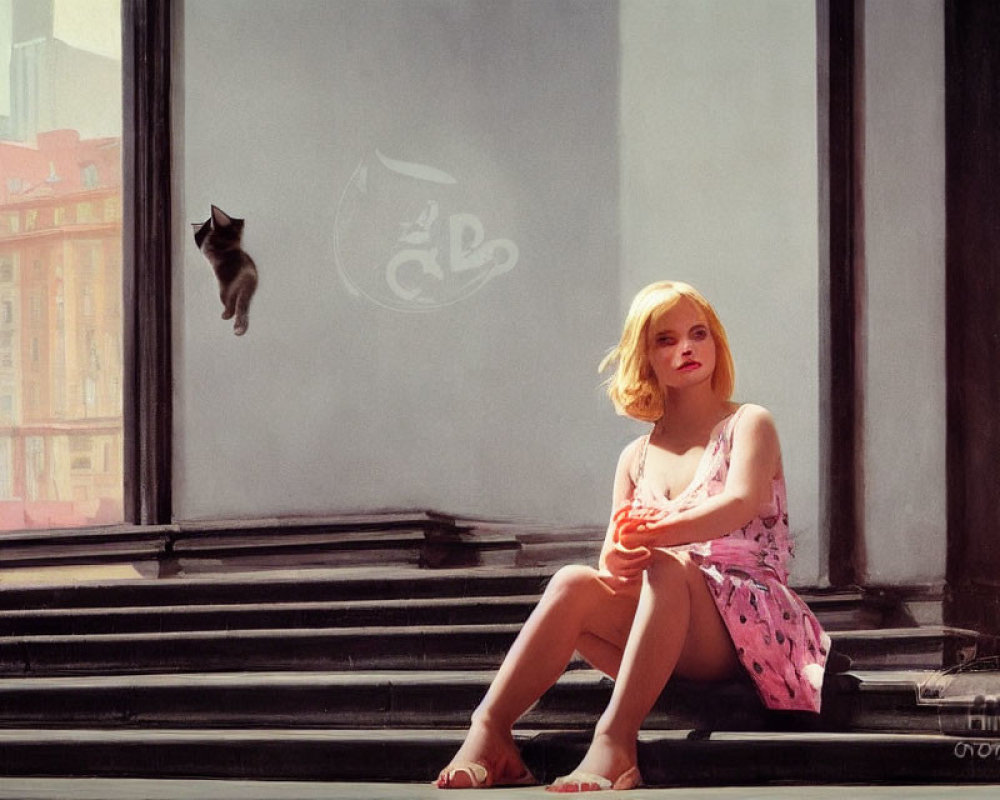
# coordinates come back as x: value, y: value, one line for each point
x: 146, y: 29
x: 842, y: 401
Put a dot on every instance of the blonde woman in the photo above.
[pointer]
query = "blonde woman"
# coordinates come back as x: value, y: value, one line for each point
x: 692, y: 578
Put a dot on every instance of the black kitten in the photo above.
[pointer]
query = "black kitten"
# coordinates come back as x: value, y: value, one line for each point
x: 218, y: 238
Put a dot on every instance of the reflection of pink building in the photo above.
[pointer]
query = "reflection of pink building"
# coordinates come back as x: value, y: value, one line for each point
x: 58, y: 165
x: 60, y: 332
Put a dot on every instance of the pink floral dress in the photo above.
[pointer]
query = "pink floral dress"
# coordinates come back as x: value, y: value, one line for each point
x: 778, y: 639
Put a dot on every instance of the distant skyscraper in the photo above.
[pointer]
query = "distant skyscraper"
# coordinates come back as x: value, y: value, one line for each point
x: 33, y: 19
x: 54, y: 85
x: 6, y: 38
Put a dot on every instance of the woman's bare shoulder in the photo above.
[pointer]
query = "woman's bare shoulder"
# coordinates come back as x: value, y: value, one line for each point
x: 756, y: 428
x: 628, y: 459
x: 631, y: 451
x: 754, y: 415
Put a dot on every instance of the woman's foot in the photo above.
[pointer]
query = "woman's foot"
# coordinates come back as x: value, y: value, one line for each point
x: 486, y: 758
x: 588, y: 782
x: 607, y: 765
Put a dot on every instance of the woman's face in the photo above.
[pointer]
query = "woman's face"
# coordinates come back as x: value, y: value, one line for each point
x: 680, y: 347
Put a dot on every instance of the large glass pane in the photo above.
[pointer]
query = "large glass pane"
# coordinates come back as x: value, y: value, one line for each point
x: 60, y: 263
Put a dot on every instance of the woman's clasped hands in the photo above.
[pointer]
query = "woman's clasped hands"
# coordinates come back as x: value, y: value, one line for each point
x: 639, y: 526
x: 635, y: 532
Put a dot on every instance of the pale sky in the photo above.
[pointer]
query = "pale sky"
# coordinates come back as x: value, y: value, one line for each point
x: 4, y: 57
x: 93, y: 25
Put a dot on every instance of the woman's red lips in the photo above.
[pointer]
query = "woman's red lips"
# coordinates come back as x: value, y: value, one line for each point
x: 689, y: 365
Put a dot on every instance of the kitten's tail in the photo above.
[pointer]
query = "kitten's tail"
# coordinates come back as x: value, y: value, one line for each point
x: 242, y: 306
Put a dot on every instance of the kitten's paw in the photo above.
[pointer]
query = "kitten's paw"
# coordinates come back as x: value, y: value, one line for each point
x: 227, y: 314
x: 241, y: 326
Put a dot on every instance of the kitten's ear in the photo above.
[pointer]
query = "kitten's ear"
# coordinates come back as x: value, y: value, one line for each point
x: 220, y: 217
x: 201, y: 231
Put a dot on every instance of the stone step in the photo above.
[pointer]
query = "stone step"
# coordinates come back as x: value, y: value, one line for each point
x: 237, y: 548
x: 405, y: 538
x: 400, y: 536
x: 923, y: 647
x: 235, y: 789
x: 416, y: 647
x: 408, y: 699
x: 282, y: 586
x: 881, y: 700
x: 117, y: 544
x: 35, y: 609
x: 387, y: 647
x: 678, y: 758
x: 835, y: 612
x: 251, y: 616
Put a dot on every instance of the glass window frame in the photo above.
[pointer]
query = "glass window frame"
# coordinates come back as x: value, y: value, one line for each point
x: 146, y: 273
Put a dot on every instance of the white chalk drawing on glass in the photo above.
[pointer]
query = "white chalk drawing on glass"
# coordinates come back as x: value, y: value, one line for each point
x: 406, y: 238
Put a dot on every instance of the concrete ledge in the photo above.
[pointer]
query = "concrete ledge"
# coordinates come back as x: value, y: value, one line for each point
x: 676, y: 758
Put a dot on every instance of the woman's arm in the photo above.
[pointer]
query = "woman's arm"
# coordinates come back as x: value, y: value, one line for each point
x: 618, y: 563
x: 755, y: 459
x: 621, y: 495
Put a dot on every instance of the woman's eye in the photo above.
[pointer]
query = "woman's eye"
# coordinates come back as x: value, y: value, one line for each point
x: 701, y: 334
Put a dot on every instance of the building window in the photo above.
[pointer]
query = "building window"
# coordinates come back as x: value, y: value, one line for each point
x: 87, y: 300
x: 80, y: 451
x: 6, y: 348
x: 80, y: 444
x: 6, y: 455
x: 88, y: 177
x: 90, y: 395
x: 34, y: 473
x: 85, y: 212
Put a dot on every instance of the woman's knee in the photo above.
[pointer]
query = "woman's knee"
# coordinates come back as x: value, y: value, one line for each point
x: 668, y: 567
x: 576, y: 583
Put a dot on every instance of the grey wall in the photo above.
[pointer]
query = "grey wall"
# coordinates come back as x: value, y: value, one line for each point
x: 904, y: 332
x: 485, y: 400
x: 611, y: 144
x: 720, y: 188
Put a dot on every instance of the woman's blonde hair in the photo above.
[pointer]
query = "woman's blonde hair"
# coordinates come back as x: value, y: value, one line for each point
x: 632, y: 386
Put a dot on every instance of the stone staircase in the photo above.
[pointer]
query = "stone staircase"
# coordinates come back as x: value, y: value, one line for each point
x: 355, y: 650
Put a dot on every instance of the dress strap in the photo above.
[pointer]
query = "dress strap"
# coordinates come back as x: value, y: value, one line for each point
x: 641, y: 469
x: 731, y: 425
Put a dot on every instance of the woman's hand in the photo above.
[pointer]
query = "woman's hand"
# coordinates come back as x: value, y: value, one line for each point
x: 627, y: 564
x: 639, y: 526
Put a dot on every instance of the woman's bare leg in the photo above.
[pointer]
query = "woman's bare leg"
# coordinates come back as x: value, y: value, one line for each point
x: 676, y: 629
x: 603, y: 654
x: 576, y: 603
